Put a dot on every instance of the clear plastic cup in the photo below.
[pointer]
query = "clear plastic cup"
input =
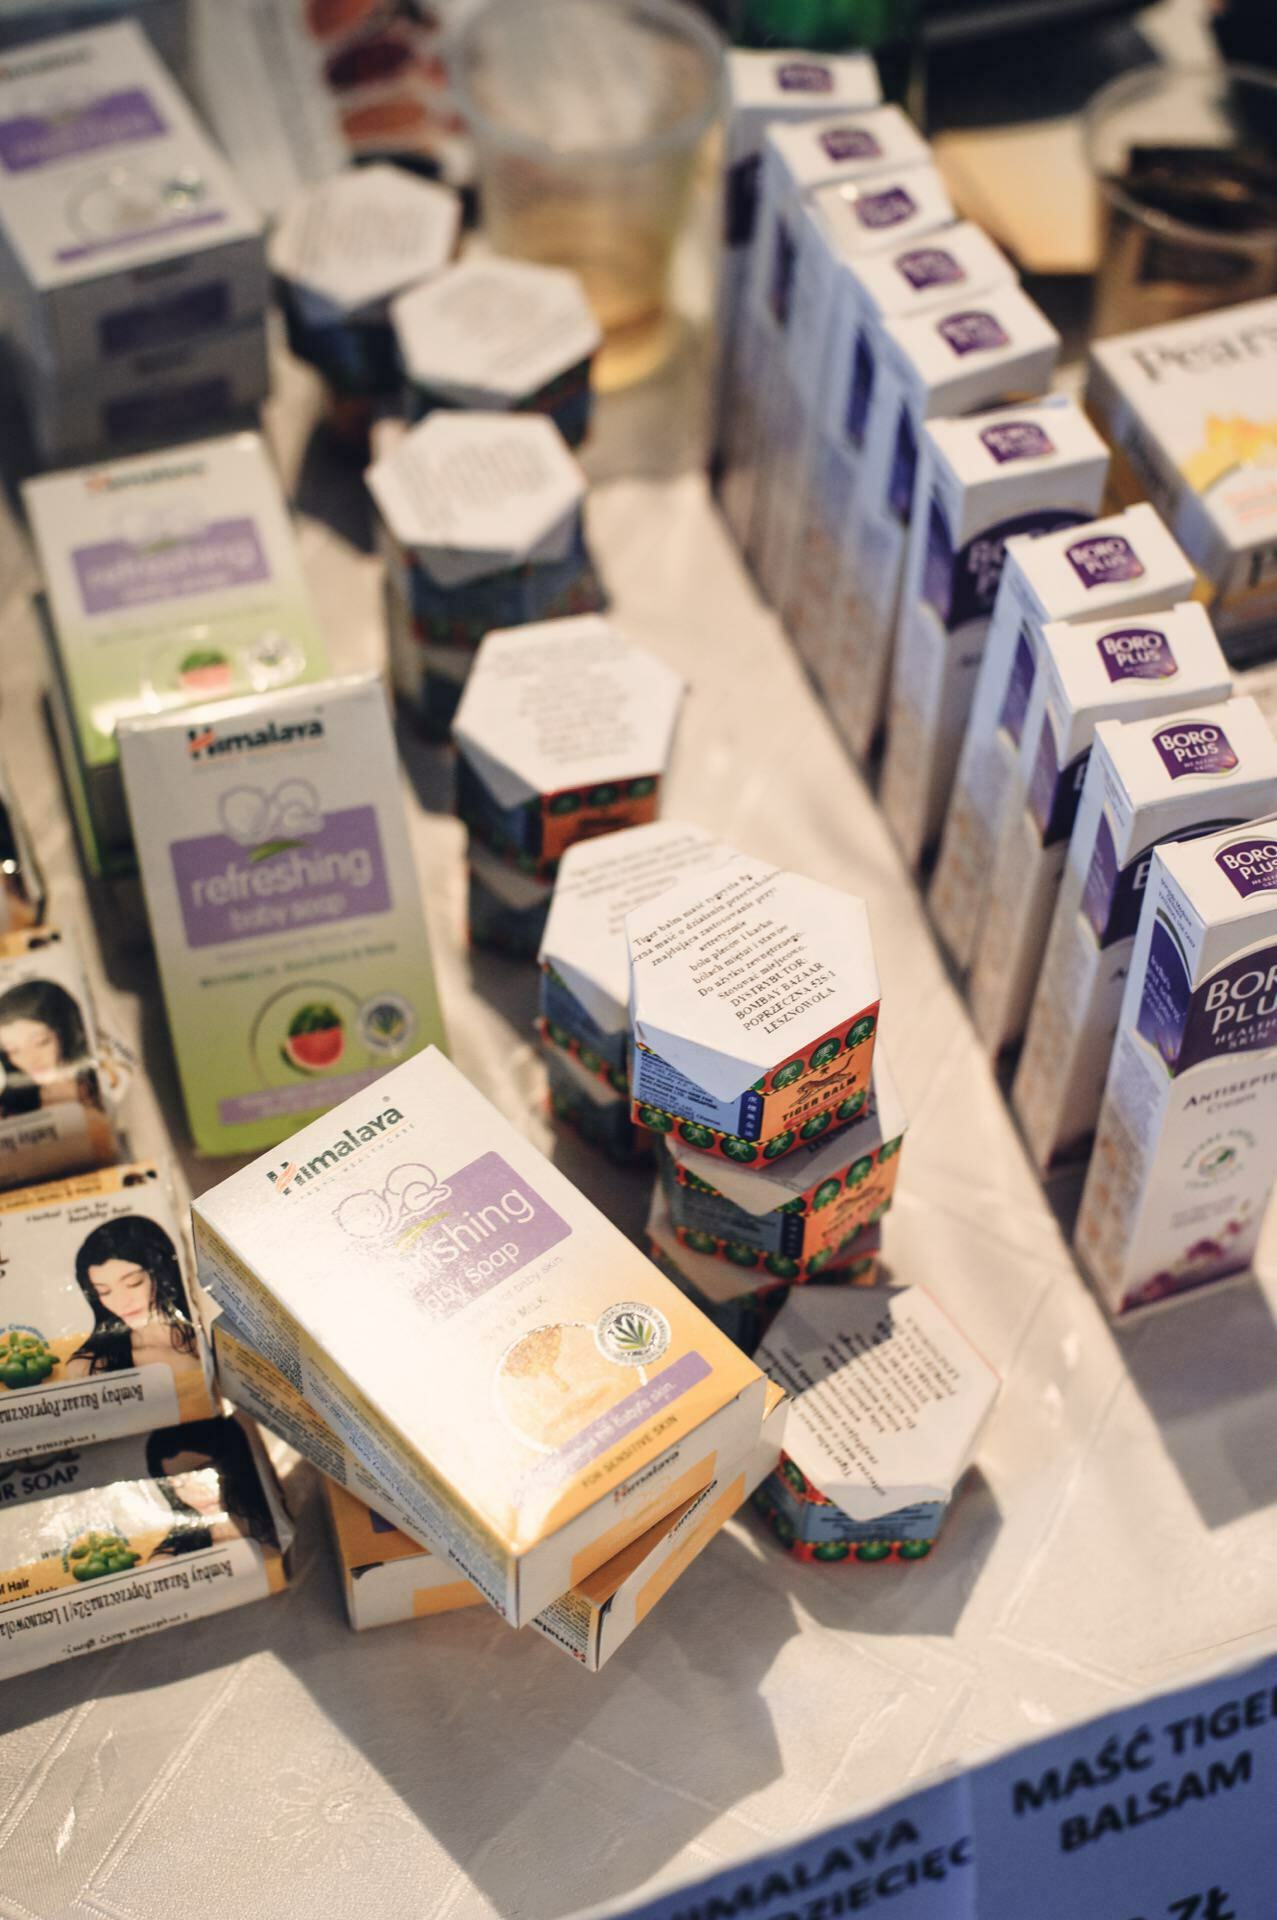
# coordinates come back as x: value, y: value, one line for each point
x: 587, y: 116
x: 1185, y: 161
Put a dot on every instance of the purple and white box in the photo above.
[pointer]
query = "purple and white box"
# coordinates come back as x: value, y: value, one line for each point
x: 1202, y: 769
x: 1088, y: 671
x: 983, y: 481
x: 1185, y: 1151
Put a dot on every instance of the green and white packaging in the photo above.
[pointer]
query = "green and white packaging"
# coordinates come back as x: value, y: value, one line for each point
x: 283, y: 902
x: 170, y: 579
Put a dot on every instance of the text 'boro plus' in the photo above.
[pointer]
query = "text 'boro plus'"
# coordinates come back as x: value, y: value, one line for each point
x: 531, y: 1390
x: 1088, y: 671
x: 981, y: 481
x: 564, y: 732
x: 1126, y: 563
x: 1186, y: 1146
x: 284, y: 904
x: 754, y: 997
x: 1202, y: 769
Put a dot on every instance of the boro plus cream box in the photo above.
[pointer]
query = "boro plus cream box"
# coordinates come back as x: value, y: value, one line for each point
x: 99, y: 1545
x: 1186, y: 1146
x: 171, y: 578
x: 55, y: 1116
x: 529, y: 1388
x: 787, y: 254
x: 585, y: 961
x: 340, y: 251
x: 966, y: 354
x: 803, y: 1214
x: 385, y: 1576
x: 1199, y: 770
x: 851, y: 220
x: 762, y: 89
x: 1088, y: 671
x: 99, y: 1337
x: 889, y: 1399
x: 982, y: 481
x: 499, y: 336
x: 1127, y: 563
x: 564, y: 732
x: 1192, y: 410
x: 754, y: 999
x: 877, y: 287
x: 122, y: 229
x: 284, y: 904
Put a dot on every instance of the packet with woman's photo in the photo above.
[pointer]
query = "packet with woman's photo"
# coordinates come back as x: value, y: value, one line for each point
x: 99, y: 1334
x: 100, y: 1545
x: 54, y: 1113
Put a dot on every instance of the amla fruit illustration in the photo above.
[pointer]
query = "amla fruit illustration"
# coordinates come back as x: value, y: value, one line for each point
x: 25, y: 1359
x: 95, y: 1554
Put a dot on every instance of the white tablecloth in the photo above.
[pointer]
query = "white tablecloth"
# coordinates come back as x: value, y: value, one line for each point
x: 1119, y: 1533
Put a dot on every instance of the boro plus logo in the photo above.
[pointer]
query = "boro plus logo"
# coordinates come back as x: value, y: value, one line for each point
x: 973, y: 332
x: 1191, y: 747
x: 804, y: 76
x: 850, y: 143
x: 1137, y: 653
x: 925, y: 267
x: 877, y: 211
x: 1250, y: 864
x: 1104, y: 560
x: 1016, y: 440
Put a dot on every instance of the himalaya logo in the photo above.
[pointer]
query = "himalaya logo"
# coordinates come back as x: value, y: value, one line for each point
x: 108, y: 482
x: 291, y: 1174
x: 206, y: 743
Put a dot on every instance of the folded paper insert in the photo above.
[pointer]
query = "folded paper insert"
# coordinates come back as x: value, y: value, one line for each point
x: 754, y: 995
x: 532, y: 1390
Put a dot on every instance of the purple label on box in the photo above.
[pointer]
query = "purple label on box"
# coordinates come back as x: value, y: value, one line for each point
x: 784, y: 259
x: 1137, y: 653
x: 1250, y: 864
x: 1099, y: 892
x: 32, y: 140
x: 925, y: 267
x: 904, y: 469
x: 1015, y: 704
x: 475, y: 1229
x: 963, y: 586
x: 1016, y: 440
x: 280, y: 1103
x: 1104, y: 560
x: 804, y: 76
x: 636, y: 1410
x: 1235, y: 1011
x: 231, y: 892
x: 973, y: 332
x: 1054, y: 791
x: 1194, y: 746
x: 860, y: 394
x: 850, y: 143
x: 113, y: 574
x: 886, y: 209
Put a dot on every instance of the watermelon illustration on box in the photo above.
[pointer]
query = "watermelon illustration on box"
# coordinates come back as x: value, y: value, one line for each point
x: 284, y: 904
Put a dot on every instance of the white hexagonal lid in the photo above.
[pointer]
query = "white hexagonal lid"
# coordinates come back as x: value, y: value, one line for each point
x: 352, y: 241
x: 889, y: 1395
x: 732, y: 972
x: 598, y: 883
x: 761, y: 1190
x: 489, y: 332
x: 472, y: 493
x: 565, y: 703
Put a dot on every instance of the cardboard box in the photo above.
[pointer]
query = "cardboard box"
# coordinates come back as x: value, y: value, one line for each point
x: 385, y: 1576
x: 54, y: 1113
x: 754, y: 996
x: 1189, y: 408
x: 850, y: 221
x: 535, y: 1394
x: 584, y: 957
x: 1186, y: 1146
x: 854, y: 1484
x: 284, y: 904
x: 506, y: 910
x: 341, y: 249
x: 104, y: 1544
x: 23, y: 898
x: 907, y: 279
x: 742, y: 1298
x: 786, y: 268
x: 968, y: 354
x: 764, y: 88
x: 1204, y: 768
x: 564, y: 732
x: 171, y: 578
x: 982, y: 480
x: 802, y: 1214
x: 1088, y: 671
x: 122, y: 228
x: 500, y: 335
x: 428, y: 680
x: 100, y: 1337
x: 1126, y: 563
x: 593, y: 1107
